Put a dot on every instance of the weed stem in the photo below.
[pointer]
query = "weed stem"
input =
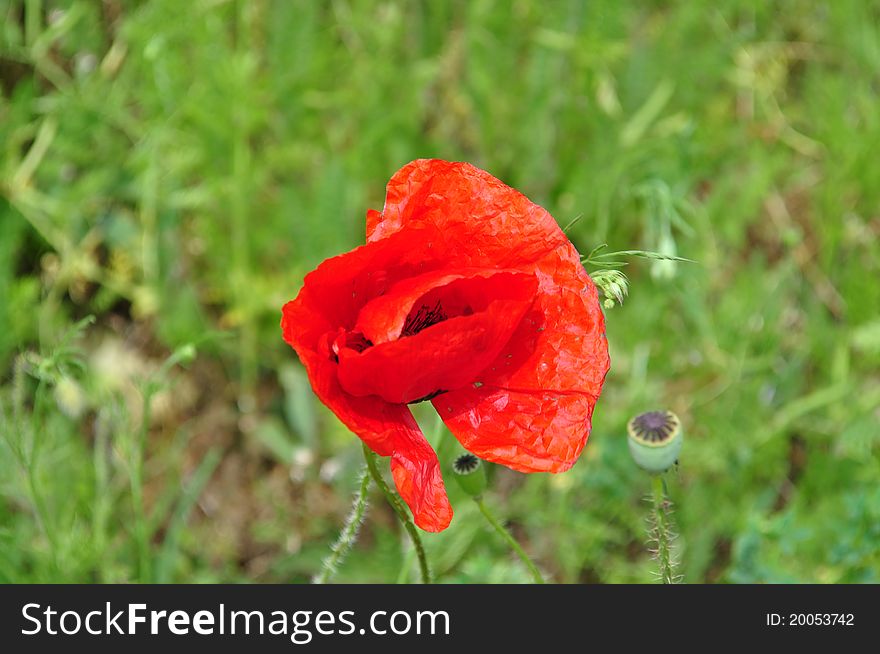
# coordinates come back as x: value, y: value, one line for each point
x: 662, y: 534
x: 508, y: 537
x: 349, y: 533
x: 396, y: 503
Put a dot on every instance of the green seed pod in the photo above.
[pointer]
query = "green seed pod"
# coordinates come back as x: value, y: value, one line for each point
x: 470, y: 474
x: 655, y: 440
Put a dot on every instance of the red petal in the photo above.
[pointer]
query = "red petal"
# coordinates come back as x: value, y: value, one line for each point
x: 340, y: 286
x: 446, y: 355
x: 416, y: 473
x: 462, y: 291
x: 534, y: 408
x: 388, y: 429
x: 483, y: 222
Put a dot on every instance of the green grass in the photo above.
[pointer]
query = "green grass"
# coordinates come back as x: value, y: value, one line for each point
x: 174, y: 169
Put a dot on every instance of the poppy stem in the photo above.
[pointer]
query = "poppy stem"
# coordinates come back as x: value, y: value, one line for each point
x: 507, y: 536
x: 349, y: 533
x: 661, y: 532
x: 401, y: 512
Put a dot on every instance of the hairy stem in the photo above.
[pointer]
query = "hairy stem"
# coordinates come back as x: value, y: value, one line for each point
x: 349, y: 533
x: 507, y: 536
x: 401, y: 512
x: 662, y: 533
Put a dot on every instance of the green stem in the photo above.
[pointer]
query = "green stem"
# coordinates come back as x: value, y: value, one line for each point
x: 103, y: 496
x: 661, y: 533
x: 406, y: 567
x: 349, y: 532
x: 401, y: 512
x: 507, y: 536
x: 39, y: 500
x: 136, y: 483
x: 23, y: 442
x: 240, y: 213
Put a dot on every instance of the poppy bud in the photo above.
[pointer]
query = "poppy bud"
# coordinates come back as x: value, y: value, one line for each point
x: 470, y: 474
x: 655, y: 440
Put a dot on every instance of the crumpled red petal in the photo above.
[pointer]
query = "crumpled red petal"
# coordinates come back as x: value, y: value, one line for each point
x: 481, y: 221
x: 534, y: 408
x: 461, y: 291
x: 442, y: 356
x: 388, y: 429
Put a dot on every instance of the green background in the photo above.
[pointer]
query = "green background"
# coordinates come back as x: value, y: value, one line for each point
x: 174, y: 169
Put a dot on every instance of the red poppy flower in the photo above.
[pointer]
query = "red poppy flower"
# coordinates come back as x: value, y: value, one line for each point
x: 466, y: 294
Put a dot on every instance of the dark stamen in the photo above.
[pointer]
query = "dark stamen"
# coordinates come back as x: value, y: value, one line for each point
x: 423, y: 318
x: 357, y: 341
x: 350, y: 341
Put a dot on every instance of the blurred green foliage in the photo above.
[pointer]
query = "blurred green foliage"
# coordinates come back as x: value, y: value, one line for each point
x: 175, y: 168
